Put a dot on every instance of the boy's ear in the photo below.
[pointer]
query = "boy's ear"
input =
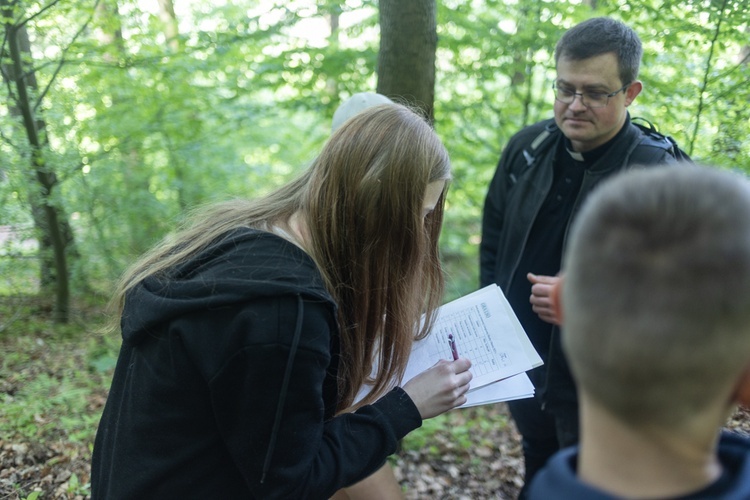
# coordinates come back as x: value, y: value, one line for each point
x: 554, y: 296
x: 742, y: 390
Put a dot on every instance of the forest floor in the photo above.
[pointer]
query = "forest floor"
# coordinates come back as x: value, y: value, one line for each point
x: 53, y: 385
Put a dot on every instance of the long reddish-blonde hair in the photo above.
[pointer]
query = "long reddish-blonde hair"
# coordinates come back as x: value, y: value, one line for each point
x: 362, y: 201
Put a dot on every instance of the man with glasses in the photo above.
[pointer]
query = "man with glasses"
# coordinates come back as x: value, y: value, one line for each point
x: 544, y: 174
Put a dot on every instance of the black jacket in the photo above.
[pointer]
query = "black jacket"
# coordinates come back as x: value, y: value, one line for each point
x: 225, y: 386
x: 513, y: 200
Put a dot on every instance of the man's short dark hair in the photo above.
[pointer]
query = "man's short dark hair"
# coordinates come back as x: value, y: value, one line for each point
x: 600, y: 35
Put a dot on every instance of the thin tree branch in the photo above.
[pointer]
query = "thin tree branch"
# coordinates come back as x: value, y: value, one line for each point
x: 7, y: 140
x: 706, y: 78
x: 731, y: 90
x: 37, y: 14
x: 62, y: 57
x: 6, y: 8
x: 734, y: 68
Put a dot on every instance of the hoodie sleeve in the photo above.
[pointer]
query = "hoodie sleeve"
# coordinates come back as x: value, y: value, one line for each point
x: 306, y: 456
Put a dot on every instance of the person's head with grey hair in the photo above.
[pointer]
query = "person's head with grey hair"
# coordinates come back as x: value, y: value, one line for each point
x: 355, y: 105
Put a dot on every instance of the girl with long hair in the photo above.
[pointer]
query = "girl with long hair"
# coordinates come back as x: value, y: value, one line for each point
x: 249, y: 332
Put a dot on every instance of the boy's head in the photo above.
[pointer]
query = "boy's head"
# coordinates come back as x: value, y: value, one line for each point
x: 656, y: 294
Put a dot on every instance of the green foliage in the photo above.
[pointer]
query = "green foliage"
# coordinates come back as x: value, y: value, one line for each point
x: 53, y: 379
x: 19, y: 271
x: 141, y: 129
x: 695, y: 71
x: 457, y: 430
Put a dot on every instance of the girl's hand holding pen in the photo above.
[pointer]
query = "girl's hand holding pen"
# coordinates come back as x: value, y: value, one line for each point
x: 440, y: 388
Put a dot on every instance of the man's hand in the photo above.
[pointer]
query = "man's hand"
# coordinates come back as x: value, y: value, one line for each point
x: 541, y: 299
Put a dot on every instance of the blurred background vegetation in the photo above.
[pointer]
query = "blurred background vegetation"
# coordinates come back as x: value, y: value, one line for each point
x: 146, y: 109
x: 119, y: 116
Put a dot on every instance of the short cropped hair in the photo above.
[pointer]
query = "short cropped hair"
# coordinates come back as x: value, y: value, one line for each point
x: 601, y: 35
x: 656, y: 294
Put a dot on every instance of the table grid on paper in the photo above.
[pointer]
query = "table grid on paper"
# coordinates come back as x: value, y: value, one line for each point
x: 469, y: 331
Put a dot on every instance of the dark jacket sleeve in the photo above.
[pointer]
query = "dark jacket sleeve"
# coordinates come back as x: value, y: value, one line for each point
x: 311, y: 457
x: 511, y: 164
x: 492, y: 219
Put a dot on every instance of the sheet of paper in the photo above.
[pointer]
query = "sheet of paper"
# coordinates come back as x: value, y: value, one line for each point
x: 515, y: 387
x: 528, y: 347
x: 484, y: 332
x: 508, y: 389
x: 487, y: 332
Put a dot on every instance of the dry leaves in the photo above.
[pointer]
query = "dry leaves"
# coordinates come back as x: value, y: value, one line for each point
x: 474, y: 454
x: 493, y: 468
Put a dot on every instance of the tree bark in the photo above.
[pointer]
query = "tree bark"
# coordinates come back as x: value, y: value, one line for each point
x: 109, y: 32
x: 406, y: 61
x: 169, y: 20
x: 333, y: 16
x: 51, y: 223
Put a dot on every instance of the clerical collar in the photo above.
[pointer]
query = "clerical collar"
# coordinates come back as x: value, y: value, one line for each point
x: 573, y: 154
x: 591, y: 156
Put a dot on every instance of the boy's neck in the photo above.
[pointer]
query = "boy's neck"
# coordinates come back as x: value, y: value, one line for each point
x: 630, y: 463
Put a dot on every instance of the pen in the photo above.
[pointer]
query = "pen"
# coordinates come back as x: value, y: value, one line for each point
x: 452, y: 344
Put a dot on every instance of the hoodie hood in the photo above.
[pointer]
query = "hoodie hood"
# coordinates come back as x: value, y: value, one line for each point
x: 242, y: 265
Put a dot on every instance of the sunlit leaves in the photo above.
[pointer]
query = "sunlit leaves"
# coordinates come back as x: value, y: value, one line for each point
x: 140, y: 130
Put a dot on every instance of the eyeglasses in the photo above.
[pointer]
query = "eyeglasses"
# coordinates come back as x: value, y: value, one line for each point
x: 588, y: 99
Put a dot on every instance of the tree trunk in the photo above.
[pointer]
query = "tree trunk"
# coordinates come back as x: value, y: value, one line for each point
x: 523, y: 79
x: 46, y: 263
x: 406, y: 61
x: 744, y: 57
x: 109, y: 35
x: 49, y: 218
x: 109, y: 32
x: 333, y: 15
x: 169, y: 20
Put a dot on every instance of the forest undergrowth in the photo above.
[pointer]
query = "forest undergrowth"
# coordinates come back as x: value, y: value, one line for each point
x: 53, y: 386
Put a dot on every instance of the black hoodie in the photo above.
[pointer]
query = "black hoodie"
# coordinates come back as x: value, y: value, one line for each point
x: 225, y: 386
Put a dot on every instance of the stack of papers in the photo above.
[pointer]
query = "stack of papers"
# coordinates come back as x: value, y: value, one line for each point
x: 487, y: 332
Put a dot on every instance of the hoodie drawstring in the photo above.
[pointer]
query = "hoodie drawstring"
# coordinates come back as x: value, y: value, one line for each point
x: 284, y: 389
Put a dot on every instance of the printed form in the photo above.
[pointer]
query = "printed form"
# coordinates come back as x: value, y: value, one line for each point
x: 485, y: 330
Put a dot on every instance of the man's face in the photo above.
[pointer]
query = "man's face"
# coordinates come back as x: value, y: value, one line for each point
x: 589, y: 128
